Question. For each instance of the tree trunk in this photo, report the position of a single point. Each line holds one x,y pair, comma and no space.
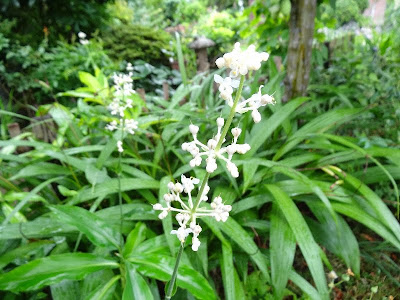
301,27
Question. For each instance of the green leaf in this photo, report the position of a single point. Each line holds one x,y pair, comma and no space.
135,237
106,152
96,229
382,211
282,249
21,204
304,238
337,237
40,168
236,232
136,287
65,290
263,130
53,269
104,292
227,270
161,267
304,285
94,175
320,124
22,252
111,187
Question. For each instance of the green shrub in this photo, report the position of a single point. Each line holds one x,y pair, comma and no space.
34,74
132,42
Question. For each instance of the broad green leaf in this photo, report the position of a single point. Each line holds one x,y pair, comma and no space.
304,285
94,282
94,175
18,216
136,287
104,292
53,269
38,228
105,153
236,232
320,124
21,204
135,237
337,237
359,214
228,270
304,238
40,168
282,249
22,252
96,229
384,213
263,130
160,267
111,187
65,290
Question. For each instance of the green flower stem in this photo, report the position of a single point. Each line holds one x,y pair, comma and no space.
221,139
231,114
119,187
168,295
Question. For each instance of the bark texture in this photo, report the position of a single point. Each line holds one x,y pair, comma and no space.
301,27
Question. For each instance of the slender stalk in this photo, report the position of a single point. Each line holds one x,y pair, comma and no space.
119,187
168,295
231,114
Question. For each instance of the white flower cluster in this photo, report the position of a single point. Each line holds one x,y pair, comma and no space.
123,85
82,38
241,62
198,149
188,214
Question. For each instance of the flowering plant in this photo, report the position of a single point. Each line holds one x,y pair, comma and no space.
240,63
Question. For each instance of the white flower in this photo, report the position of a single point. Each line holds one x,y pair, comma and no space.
240,62
226,86
131,125
198,150
119,146
182,233
84,42
220,211
252,104
81,35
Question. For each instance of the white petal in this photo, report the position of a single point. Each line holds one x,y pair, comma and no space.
218,79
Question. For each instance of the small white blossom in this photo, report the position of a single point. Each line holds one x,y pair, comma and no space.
252,104
198,149
187,213
241,62
81,35
226,86
119,146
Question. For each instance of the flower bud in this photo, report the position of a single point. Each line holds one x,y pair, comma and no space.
178,188
193,129
157,206
220,62
212,144
220,122
256,116
171,186
236,131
